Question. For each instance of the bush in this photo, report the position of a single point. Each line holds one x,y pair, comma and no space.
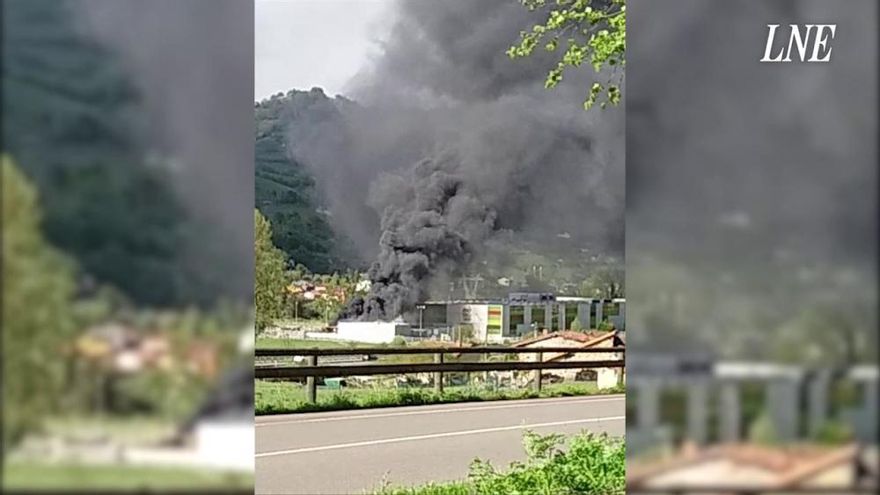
169,395
282,397
398,342
762,431
605,326
592,464
834,433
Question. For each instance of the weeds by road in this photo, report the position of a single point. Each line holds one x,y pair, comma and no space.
75,477
591,464
281,397
280,343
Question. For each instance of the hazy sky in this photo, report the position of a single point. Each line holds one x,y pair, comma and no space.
305,43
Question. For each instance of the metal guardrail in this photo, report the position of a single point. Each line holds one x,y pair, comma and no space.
312,370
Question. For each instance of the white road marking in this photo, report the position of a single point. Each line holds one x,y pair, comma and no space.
436,435
537,402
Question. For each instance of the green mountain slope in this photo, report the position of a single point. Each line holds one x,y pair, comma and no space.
70,117
285,190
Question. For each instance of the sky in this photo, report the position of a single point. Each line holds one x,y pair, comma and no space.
305,43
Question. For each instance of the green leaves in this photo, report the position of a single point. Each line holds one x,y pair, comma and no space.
270,278
592,464
593,35
36,317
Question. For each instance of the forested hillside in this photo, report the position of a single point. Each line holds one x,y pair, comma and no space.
75,122
331,132
68,121
285,190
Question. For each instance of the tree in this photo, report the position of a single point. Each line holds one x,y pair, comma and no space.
37,290
338,288
592,31
269,273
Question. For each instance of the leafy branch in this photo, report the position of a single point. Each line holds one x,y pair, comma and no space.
592,31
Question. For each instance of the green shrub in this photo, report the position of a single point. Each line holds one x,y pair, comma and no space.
834,433
284,397
605,326
592,464
763,431
169,395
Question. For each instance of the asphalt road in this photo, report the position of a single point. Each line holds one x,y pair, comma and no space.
353,452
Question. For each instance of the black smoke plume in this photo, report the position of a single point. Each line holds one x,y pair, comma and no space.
461,155
434,223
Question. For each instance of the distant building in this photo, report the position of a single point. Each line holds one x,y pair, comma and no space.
520,315
127,350
311,291
123,349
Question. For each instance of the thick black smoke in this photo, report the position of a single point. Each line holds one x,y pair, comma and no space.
192,63
434,222
752,186
453,146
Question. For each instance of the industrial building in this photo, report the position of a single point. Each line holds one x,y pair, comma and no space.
520,315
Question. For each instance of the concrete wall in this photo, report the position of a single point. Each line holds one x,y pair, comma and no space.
608,378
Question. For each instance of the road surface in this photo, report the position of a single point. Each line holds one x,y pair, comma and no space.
355,451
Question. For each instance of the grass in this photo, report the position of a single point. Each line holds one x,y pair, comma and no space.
282,397
134,430
274,343
586,464
35,476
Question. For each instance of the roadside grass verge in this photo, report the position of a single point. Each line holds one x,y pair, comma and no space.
286,397
20,475
585,464
278,343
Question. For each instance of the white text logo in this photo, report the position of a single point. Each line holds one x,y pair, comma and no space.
808,43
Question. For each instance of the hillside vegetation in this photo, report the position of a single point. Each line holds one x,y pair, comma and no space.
285,191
